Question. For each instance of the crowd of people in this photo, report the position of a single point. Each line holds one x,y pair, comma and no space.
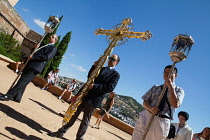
105,82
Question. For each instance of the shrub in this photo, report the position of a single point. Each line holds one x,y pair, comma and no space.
9,47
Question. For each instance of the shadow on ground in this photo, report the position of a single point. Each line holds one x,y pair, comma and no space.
116,135
21,135
45,107
22,118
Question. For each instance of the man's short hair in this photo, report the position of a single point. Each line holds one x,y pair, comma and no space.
184,114
170,66
118,58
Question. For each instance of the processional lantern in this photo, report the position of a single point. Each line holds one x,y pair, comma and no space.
181,47
51,24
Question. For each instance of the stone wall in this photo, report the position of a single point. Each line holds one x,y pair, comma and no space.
29,42
13,24
13,2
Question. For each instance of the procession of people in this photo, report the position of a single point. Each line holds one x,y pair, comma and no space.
109,76
160,101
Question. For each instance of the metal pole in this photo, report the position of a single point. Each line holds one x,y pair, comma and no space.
26,63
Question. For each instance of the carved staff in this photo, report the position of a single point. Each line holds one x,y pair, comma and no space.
49,27
180,49
118,35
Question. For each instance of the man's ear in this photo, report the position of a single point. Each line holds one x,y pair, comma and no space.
176,75
117,63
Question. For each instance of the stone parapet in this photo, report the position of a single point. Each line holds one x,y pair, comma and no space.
115,122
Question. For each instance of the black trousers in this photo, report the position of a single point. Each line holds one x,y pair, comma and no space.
17,91
88,111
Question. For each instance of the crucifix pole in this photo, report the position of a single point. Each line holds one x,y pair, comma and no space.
118,35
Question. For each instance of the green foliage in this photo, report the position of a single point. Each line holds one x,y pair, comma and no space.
61,49
45,41
9,47
47,67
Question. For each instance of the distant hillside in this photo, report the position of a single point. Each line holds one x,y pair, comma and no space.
125,108
132,102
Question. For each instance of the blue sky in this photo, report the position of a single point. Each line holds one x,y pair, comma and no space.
141,63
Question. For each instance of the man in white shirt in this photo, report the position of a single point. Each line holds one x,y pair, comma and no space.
160,125
51,79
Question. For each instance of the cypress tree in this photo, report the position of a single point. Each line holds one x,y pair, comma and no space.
61,49
47,67
46,41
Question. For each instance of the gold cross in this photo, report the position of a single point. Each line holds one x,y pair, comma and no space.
122,32
116,36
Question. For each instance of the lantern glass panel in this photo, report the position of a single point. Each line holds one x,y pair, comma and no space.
181,47
51,24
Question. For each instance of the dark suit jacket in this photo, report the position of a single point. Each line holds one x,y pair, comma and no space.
41,57
104,83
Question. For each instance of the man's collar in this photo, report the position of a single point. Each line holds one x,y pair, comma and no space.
111,68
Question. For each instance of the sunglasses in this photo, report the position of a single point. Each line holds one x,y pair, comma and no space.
111,58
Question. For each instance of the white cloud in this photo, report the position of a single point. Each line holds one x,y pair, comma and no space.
72,55
39,23
80,68
26,10
69,74
64,57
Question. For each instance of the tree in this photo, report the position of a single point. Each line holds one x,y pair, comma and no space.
9,46
46,41
47,67
56,60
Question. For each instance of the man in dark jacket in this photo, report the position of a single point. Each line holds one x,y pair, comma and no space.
36,64
104,83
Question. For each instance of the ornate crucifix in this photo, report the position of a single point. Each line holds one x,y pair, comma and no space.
117,36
